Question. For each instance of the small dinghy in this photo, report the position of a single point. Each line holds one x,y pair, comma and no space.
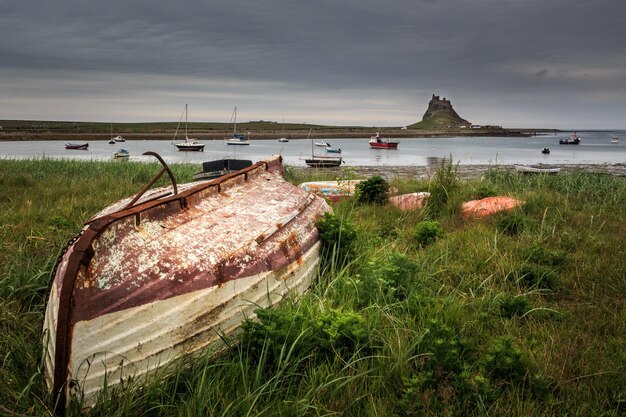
171,272
332,190
78,146
537,169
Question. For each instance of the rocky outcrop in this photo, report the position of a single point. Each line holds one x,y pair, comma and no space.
440,110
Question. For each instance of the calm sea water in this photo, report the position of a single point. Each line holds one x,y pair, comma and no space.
595,148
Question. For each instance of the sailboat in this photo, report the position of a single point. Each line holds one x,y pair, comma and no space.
317,161
283,138
112,140
237,138
116,139
188,144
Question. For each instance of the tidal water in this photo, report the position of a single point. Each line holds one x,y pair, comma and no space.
595,148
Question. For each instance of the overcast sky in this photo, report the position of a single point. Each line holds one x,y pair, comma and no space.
522,63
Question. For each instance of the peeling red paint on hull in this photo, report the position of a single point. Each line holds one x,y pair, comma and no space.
169,276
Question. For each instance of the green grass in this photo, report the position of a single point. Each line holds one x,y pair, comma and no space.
35,126
456,327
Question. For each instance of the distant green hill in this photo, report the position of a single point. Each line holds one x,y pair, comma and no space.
440,115
438,121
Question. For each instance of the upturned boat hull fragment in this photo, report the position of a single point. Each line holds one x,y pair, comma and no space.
171,275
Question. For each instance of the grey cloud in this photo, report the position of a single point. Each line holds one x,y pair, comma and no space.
400,50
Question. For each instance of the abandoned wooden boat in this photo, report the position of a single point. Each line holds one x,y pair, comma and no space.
537,169
164,274
331,190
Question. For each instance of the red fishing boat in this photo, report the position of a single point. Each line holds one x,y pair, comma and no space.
377,142
172,272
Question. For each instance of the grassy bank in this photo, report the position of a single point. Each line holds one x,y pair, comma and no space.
414,313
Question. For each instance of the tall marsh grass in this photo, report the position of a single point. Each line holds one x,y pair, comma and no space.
461,326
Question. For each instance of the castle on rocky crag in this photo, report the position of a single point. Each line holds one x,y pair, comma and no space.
438,107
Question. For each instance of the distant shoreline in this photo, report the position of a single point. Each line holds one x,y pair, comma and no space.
343,133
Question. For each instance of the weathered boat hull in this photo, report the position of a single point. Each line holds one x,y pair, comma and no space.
331,190
537,170
323,162
174,275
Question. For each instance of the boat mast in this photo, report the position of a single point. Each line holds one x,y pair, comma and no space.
235,122
186,137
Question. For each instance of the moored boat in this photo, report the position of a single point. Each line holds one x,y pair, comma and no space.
189,144
236,138
377,142
168,273
121,153
283,138
574,139
324,161
79,146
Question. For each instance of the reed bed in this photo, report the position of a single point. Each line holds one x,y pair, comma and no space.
517,314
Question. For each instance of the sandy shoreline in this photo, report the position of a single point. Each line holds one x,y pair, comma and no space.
465,171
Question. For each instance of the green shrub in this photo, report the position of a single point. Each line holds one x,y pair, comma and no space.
384,281
511,223
337,237
535,276
374,190
446,350
327,333
513,306
427,232
339,331
504,362
273,331
446,378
